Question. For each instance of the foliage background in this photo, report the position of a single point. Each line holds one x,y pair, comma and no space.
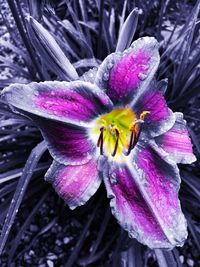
36,228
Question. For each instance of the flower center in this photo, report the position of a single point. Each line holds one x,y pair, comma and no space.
117,132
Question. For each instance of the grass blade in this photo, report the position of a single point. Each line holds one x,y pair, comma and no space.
128,30
51,51
31,163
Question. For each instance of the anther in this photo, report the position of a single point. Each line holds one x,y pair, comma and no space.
143,114
116,144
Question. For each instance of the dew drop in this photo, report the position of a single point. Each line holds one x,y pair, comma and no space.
133,56
118,54
110,65
145,67
91,74
113,178
142,76
36,93
105,76
75,107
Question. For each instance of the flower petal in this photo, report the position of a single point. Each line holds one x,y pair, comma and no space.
177,142
67,143
144,199
75,184
161,118
89,76
74,102
126,75
61,110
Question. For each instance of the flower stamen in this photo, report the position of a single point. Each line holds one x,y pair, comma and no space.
132,139
143,114
136,129
118,132
100,140
138,134
117,142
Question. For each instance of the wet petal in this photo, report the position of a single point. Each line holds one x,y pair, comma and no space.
67,143
161,118
144,199
177,142
90,75
74,102
126,75
75,184
160,182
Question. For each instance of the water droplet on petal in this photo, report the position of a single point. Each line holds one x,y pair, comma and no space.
105,76
110,65
75,106
145,67
133,56
36,93
142,76
113,178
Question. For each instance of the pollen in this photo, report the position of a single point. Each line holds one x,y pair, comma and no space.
116,133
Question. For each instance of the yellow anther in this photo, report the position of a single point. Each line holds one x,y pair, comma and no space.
143,114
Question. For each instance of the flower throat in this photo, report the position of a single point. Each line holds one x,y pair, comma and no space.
119,131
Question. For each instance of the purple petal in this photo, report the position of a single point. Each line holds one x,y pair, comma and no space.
161,183
130,208
125,75
74,102
177,142
144,199
161,118
75,184
59,109
67,143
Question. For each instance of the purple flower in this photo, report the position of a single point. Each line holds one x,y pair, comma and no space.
116,128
